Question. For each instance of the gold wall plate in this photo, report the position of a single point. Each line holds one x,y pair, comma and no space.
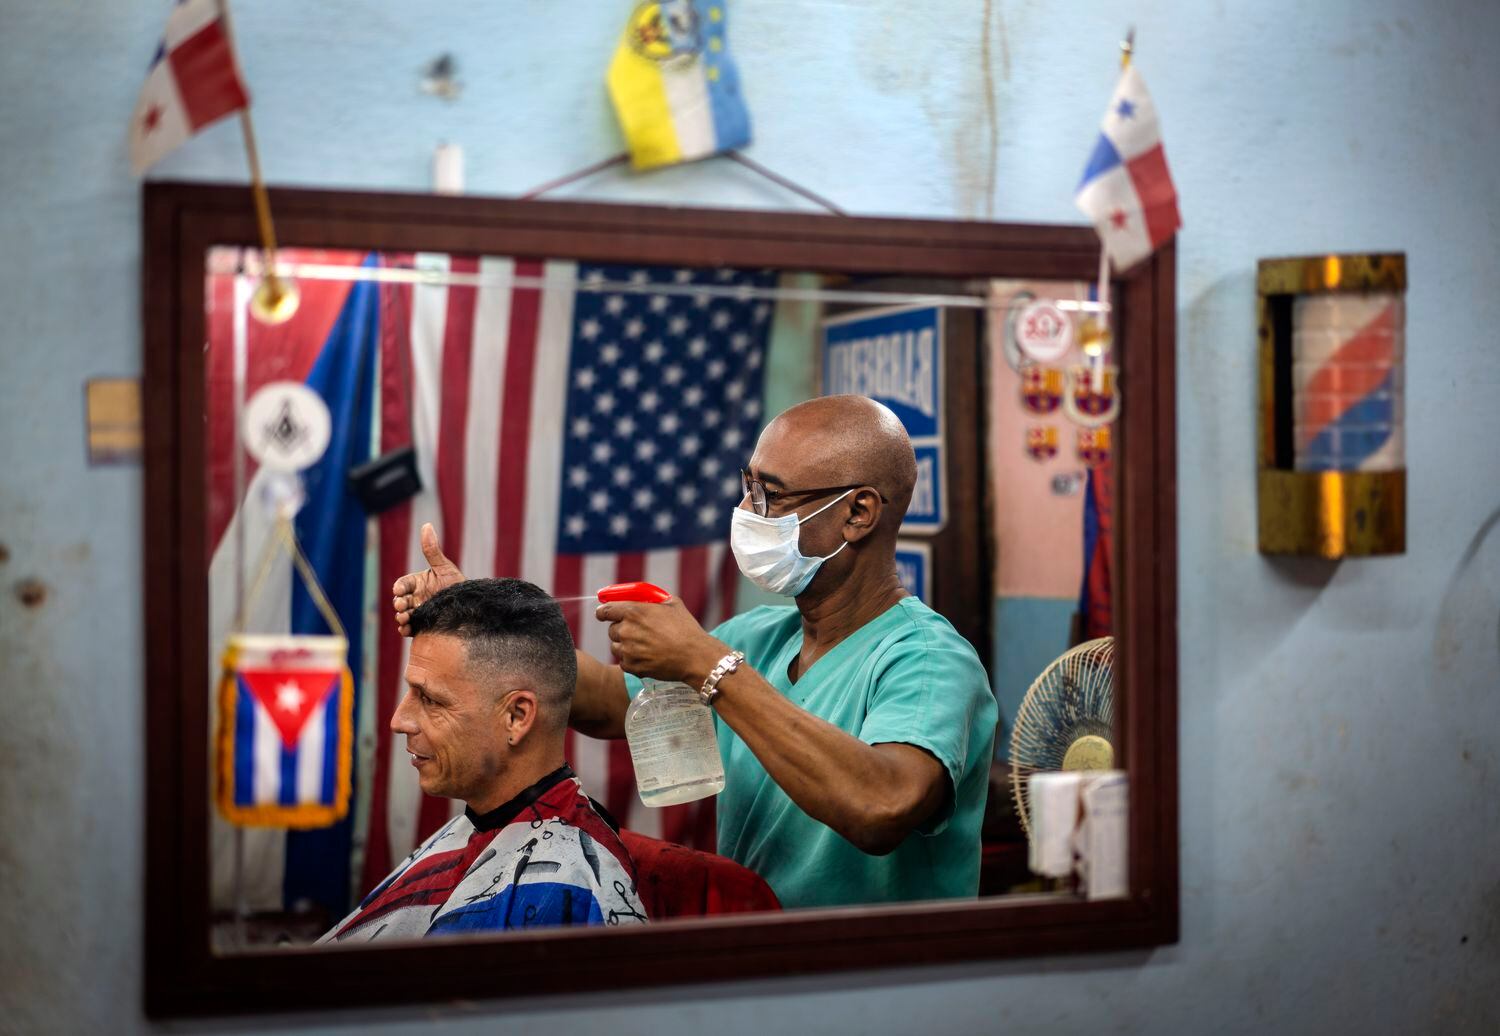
1317,275
1332,514
113,420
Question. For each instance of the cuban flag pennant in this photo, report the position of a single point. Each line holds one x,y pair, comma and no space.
1126,189
674,86
194,81
286,729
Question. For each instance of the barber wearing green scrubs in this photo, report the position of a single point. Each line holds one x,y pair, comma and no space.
857,732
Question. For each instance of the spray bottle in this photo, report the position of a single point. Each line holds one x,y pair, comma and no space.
673,744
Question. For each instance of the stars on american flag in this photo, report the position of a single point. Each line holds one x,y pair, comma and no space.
663,406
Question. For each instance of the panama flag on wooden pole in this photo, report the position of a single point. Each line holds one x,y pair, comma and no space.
194,81
1126,189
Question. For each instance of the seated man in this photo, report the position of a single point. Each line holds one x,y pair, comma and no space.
490,685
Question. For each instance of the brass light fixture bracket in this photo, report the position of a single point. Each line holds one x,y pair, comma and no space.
1329,514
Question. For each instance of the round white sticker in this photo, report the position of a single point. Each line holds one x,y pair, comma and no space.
286,426
1044,332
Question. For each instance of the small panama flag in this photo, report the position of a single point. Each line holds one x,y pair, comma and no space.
194,81
286,729
1126,189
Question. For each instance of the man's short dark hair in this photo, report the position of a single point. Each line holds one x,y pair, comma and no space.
510,628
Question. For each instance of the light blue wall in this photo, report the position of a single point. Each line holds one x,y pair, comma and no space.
1340,725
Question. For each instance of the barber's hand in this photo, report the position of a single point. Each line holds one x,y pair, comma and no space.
660,641
414,588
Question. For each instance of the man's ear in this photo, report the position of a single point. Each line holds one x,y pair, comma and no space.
520,715
865,511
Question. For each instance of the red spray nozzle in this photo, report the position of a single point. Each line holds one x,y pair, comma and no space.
645,593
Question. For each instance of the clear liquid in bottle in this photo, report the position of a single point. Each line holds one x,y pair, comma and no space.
673,745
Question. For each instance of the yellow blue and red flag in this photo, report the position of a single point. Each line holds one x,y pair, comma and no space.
674,86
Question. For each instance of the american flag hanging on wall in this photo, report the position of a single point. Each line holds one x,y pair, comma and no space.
575,436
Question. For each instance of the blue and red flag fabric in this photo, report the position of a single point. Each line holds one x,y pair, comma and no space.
1126,190
575,425
194,81
1096,597
271,765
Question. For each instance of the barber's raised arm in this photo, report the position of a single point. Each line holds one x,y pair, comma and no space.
414,588
599,699
872,795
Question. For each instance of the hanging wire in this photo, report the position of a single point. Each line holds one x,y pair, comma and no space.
576,175
781,181
735,156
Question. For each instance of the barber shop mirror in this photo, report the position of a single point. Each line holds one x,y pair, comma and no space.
384,707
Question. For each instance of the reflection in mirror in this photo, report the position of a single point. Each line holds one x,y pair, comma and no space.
575,426
1051,465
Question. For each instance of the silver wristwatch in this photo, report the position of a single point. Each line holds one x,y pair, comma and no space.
728,664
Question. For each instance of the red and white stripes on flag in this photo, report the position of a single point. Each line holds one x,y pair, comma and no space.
194,81
475,378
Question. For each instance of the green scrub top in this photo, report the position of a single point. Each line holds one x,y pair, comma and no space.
906,676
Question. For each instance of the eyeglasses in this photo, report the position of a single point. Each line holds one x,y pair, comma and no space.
762,498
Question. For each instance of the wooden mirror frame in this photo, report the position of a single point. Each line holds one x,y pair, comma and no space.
183,977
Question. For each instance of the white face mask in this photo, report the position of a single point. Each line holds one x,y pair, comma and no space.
769,553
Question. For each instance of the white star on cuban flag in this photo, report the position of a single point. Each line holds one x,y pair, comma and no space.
289,696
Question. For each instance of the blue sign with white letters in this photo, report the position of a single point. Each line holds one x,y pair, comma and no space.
891,355
926,511
914,567
895,356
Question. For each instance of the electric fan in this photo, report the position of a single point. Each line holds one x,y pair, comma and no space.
1065,721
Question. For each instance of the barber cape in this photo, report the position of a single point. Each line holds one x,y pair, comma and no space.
544,858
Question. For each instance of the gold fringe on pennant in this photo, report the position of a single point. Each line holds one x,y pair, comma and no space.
303,815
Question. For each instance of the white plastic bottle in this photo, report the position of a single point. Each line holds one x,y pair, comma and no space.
673,745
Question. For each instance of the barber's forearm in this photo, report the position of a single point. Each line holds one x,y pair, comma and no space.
832,776
599,699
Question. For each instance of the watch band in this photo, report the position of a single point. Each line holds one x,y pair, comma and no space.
728,664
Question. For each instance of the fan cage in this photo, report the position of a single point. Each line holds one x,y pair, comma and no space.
1073,697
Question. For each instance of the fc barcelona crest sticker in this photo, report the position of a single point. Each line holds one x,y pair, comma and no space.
1094,446
1041,443
1041,388
1093,396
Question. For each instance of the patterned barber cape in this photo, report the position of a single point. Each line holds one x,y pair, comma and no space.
544,858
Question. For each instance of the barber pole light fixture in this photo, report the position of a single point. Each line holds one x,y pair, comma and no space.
1332,376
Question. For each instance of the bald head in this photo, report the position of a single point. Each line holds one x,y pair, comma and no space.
841,440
